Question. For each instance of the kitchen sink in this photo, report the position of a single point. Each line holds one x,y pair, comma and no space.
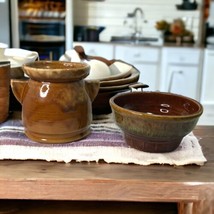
136,40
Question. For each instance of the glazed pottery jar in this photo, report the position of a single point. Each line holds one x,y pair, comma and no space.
56,100
4,89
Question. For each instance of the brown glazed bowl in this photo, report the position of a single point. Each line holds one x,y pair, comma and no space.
155,122
56,71
110,88
101,104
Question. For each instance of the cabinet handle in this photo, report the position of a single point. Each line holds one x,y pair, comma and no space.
92,52
137,55
172,78
182,59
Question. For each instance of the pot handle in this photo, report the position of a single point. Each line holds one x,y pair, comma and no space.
135,86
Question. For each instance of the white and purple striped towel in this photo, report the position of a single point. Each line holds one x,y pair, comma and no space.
104,143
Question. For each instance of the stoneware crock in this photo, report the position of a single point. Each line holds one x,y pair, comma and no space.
56,100
4,89
155,121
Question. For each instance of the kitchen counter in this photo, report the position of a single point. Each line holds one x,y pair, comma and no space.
192,187
138,44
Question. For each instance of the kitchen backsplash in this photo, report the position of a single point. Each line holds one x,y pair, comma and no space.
112,14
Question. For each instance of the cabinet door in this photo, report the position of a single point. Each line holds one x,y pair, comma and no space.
182,80
96,49
207,95
148,75
145,59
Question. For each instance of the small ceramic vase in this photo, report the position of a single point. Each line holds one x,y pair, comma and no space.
4,89
56,101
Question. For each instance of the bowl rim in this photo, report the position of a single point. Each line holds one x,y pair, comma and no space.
67,72
31,65
117,108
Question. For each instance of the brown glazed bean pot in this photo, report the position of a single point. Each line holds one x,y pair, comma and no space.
4,89
155,121
56,101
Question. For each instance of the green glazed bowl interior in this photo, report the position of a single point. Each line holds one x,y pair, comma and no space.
155,121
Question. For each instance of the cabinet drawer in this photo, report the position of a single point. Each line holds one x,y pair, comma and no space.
183,56
137,54
96,49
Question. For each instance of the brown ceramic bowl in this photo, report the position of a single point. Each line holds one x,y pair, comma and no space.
101,104
16,72
155,121
56,71
111,84
110,88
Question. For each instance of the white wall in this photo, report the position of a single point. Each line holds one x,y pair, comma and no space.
4,23
112,13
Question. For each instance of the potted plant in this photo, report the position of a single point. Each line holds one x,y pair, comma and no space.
175,32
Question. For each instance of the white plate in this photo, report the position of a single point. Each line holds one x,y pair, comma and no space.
133,79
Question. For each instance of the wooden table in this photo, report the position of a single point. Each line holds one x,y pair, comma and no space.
192,187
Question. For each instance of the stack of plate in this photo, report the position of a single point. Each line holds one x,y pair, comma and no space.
115,76
109,86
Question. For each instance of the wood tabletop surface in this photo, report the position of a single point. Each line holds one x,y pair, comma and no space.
112,182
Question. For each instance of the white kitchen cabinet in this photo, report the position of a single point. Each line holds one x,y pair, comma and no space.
182,79
145,59
181,71
207,89
97,49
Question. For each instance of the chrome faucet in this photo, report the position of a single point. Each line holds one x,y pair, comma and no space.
139,18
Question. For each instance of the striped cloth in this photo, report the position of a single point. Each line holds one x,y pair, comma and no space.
104,143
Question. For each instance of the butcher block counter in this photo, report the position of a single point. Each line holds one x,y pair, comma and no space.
51,187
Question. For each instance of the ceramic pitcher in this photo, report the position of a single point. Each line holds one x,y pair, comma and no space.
4,89
56,100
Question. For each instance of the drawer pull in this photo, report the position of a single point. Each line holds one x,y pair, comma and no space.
182,59
92,52
137,55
